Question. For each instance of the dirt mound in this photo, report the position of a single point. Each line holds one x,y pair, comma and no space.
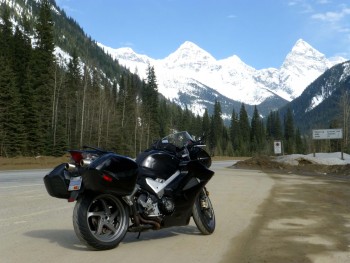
301,166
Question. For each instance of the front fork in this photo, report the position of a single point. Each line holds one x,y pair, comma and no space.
204,199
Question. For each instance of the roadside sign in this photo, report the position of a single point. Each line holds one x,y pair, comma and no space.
327,134
277,145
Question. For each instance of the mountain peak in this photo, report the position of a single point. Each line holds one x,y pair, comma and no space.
125,54
302,65
302,44
189,45
189,53
304,49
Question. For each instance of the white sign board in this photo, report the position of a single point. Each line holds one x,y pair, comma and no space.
327,134
277,145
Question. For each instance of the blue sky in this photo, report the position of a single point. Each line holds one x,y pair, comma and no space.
260,32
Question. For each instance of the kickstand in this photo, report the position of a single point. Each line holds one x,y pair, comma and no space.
138,237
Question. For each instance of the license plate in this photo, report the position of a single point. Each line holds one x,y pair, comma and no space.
75,183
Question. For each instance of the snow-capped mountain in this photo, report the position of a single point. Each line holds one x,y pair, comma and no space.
301,67
322,102
230,77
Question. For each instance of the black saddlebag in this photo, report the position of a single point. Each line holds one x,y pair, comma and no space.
111,173
56,183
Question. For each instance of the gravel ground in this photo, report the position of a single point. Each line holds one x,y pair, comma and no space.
301,166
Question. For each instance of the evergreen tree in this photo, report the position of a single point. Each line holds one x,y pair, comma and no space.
186,121
196,127
206,124
256,132
127,108
72,97
11,129
235,134
244,128
39,88
11,110
216,130
150,106
21,51
289,133
299,145
273,126
6,38
164,121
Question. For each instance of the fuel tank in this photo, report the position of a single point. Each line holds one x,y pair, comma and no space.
157,164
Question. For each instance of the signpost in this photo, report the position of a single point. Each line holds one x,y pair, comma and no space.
329,134
277,145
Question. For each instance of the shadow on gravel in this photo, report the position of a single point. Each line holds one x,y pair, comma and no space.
67,238
304,218
163,233
63,237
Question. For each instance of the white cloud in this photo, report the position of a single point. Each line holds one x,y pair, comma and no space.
332,17
329,22
305,6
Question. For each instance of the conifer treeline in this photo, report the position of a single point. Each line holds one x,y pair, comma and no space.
47,107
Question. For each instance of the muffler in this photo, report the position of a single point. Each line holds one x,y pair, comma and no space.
70,167
85,162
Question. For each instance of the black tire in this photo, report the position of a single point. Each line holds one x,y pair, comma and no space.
203,214
100,222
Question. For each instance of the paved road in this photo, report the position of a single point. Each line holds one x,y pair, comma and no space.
260,218
35,227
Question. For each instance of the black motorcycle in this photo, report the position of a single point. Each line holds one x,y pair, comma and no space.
163,188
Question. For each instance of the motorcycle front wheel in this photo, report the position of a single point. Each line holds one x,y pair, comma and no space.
203,213
100,222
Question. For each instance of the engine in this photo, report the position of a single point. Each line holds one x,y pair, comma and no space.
167,205
151,206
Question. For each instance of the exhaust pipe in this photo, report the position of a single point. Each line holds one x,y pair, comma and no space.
70,167
85,163
155,224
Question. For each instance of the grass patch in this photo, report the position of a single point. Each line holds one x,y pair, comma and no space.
39,162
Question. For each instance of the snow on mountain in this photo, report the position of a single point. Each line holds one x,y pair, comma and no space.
190,57
301,67
329,86
230,77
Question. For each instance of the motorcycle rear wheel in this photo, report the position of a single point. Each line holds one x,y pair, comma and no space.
100,222
203,214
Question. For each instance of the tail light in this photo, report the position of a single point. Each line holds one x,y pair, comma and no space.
107,178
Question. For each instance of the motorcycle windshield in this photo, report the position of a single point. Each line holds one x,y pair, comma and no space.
179,139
